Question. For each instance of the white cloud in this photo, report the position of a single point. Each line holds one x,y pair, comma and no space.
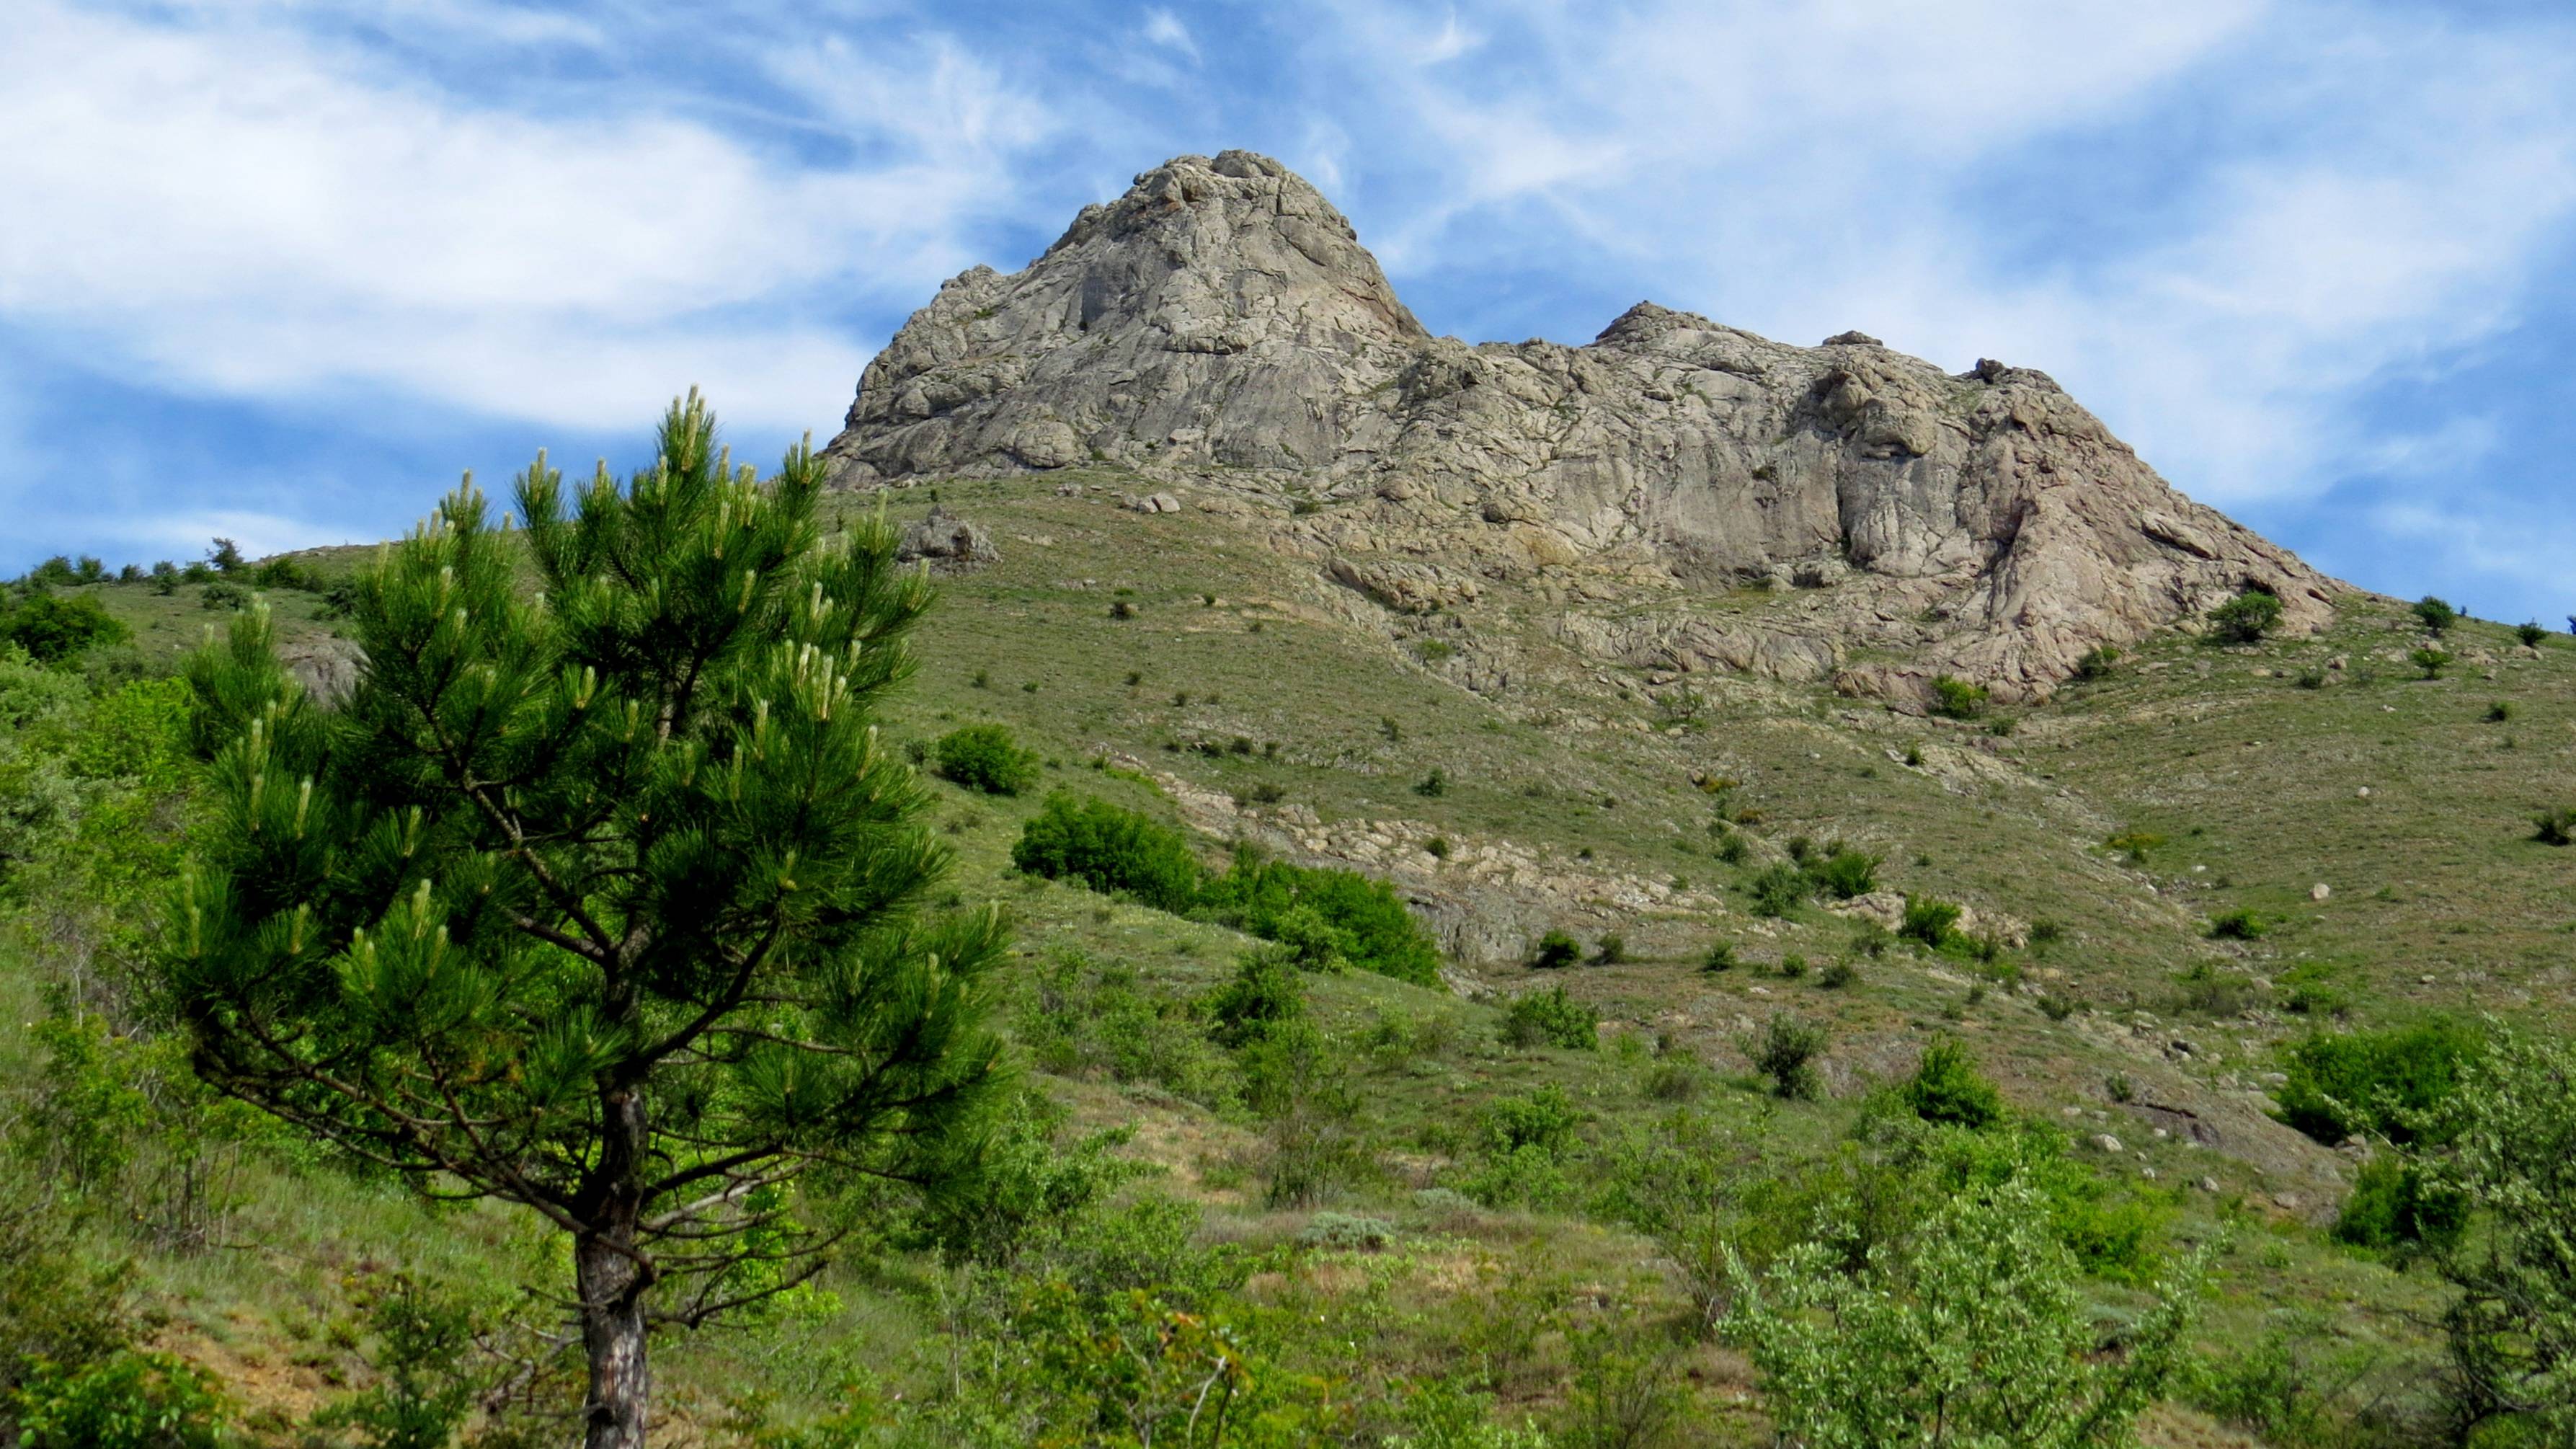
240,208
1165,29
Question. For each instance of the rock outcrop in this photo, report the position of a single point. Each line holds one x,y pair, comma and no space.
950,543
1220,323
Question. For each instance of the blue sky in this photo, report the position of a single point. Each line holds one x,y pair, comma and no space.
280,270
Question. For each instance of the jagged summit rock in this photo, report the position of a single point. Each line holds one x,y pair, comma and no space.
1220,324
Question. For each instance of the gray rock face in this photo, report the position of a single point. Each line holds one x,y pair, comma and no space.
1220,323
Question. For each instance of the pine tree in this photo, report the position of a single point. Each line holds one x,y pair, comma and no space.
600,899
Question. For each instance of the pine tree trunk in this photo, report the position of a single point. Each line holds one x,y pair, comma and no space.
612,1331
612,1282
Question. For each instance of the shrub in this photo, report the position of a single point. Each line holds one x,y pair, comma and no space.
224,594
1552,1017
1346,1232
1778,889
1264,994
1793,966
1932,921
2137,845
2237,925
1720,957
1971,1329
1376,932
2530,633
1946,1087
1954,698
2395,1205
1433,785
53,628
2097,662
2384,1082
1785,1051
1837,975
985,757
1121,609
1555,949
1612,950
1437,847
2246,618
2435,614
1844,874
129,1400
2499,712
1733,850
2431,661
1109,849
2555,826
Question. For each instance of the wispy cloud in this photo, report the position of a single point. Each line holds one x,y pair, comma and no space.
241,208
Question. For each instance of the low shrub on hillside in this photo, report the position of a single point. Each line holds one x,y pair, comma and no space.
2097,662
1265,993
2237,925
2397,1205
2430,661
53,628
2555,826
1954,698
1777,889
1947,1087
985,757
2530,633
1112,850
1785,1050
1550,1017
1375,931
1554,950
1844,873
2246,618
2435,614
1931,921
2384,1083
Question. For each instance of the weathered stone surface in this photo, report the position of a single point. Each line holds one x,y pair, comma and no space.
948,541
1221,322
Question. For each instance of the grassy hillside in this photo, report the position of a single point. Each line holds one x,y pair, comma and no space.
2139,855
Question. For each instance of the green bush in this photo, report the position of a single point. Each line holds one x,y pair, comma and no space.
1947,1087
1264,994
1612,950
985,757
2237,925
1837,975
1346,1232
2431,661
2395,1205
128,1400
2097,662
2555,826
2436,615
2530,633
53,628
1954,698
1551,1017
1932,921
1777,889
1844,874
1555,950
2384,1082
1112,850
1785,1051
1433,785
1720,957
1375,931
2246,618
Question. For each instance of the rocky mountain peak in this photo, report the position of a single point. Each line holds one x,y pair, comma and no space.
1220,324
